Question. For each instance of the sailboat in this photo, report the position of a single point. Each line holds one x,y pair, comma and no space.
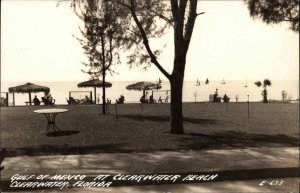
223,81
159,81
207,81
198,82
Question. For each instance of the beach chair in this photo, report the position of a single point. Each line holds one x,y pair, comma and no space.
4,102
167,99
47,101
211,98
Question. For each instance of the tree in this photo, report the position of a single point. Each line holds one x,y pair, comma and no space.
181,15
141,20
102,37
264,93
276,11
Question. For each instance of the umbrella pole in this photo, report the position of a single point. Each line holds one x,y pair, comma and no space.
14,99
95,94
30,98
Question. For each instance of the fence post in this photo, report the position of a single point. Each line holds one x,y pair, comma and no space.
248,107
14,102
142,107
107,108
116,108
227,106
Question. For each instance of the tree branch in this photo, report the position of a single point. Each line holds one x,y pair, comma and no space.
200,13
190,23
163,17
146,42
175,9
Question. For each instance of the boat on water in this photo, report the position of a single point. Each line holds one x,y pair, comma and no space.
198,82
223,81
207,81
159,81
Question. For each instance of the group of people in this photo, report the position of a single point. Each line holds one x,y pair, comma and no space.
47,99
120,100
144,99
73,101
218,99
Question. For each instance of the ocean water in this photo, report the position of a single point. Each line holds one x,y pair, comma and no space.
191,93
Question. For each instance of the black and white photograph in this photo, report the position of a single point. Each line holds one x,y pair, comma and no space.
154,96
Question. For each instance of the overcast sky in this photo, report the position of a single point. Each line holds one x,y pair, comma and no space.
37,44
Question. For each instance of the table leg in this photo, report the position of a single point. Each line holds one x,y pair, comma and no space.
51,122
54,123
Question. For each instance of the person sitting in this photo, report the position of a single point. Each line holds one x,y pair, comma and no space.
121,100
143,99
36,101
151,100
216,97
48,99
86,100
3,102
226,98
72,101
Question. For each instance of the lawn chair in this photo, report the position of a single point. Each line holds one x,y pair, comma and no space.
167,99
73,101
47,101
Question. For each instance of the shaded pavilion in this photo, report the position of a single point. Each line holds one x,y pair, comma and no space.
94,83
28,88
143,86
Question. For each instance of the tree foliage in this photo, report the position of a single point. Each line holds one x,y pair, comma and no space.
144,20
130,40
276,11
103,36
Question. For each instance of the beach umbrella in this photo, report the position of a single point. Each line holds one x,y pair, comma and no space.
143,86
94,83
29,88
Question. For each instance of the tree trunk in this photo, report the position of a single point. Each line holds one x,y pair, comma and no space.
176,82
265,98
104,96
176,106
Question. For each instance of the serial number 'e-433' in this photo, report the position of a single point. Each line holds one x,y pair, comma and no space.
272,183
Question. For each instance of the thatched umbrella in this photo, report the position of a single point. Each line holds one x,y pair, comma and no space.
143,86
94,83
29,88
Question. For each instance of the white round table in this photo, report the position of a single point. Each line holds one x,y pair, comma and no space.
51,114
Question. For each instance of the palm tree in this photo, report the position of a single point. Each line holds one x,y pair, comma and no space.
264,93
